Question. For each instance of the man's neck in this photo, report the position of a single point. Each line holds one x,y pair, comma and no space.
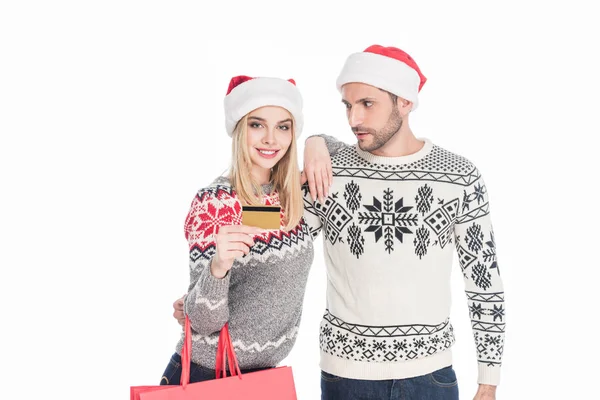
403,143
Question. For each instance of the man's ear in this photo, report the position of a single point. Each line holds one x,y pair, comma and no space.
404,106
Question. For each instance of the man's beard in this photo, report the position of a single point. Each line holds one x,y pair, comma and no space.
382,136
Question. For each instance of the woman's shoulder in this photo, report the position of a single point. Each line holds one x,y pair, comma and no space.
218,194
214,204
218,189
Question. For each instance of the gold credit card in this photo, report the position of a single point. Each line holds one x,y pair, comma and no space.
265,217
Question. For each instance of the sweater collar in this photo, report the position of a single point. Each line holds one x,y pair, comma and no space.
373,159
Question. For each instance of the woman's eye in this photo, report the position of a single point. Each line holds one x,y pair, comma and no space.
284,127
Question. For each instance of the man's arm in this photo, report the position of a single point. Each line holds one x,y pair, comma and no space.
178,313
485,392
476,246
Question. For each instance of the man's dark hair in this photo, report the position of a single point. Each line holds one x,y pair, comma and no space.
392,96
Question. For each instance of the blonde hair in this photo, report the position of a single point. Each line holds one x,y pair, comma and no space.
285,176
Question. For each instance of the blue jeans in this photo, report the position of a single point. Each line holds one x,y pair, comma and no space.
438,385
198,373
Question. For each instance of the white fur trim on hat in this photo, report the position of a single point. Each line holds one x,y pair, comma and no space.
382,72
261,92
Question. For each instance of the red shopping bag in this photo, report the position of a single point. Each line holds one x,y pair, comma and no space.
270,384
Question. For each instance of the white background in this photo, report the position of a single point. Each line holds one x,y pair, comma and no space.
111,118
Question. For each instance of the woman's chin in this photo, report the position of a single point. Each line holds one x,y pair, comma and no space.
265,164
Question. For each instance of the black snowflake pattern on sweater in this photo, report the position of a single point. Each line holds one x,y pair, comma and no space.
478,310
481,276
474,238
487,320
477,195
388,219
489,347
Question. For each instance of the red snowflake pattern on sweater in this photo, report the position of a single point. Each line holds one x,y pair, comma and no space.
208,212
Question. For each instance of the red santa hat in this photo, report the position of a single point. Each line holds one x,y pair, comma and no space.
246,94
387,68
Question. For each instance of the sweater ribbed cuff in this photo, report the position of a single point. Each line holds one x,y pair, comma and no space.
488,375
377,371
214,287
211,288
333,145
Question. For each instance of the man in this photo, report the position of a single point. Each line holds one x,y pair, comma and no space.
396,207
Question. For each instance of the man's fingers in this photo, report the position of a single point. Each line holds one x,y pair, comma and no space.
178,304
179,316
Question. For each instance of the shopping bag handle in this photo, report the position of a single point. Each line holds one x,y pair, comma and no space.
233,358
225,353
186,353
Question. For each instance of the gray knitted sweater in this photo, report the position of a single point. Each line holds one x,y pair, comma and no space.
261,297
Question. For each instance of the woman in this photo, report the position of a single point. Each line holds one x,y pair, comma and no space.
252,278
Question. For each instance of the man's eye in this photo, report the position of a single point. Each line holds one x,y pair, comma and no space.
368,103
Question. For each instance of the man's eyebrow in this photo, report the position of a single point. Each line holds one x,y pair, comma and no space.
360,100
